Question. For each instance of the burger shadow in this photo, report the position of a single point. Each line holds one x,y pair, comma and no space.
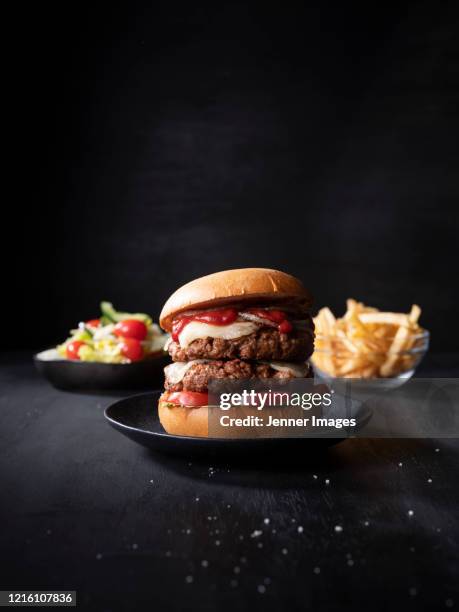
358,458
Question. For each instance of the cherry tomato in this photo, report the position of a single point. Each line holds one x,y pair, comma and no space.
73,349
93,323
131,328
188,398
131,349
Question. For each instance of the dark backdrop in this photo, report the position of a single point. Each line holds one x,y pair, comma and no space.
161,143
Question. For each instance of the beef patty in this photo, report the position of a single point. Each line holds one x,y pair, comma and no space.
198,375
266,344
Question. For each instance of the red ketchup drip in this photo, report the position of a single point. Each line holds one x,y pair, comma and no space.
276,316
212,317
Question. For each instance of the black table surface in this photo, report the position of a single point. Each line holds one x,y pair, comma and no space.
83,508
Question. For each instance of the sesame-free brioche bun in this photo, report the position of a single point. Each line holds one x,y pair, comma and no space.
231,286
181,421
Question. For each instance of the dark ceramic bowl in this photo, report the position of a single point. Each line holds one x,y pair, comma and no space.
90,376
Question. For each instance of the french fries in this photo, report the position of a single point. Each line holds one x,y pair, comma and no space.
367,343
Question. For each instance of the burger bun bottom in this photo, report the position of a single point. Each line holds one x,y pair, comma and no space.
181,421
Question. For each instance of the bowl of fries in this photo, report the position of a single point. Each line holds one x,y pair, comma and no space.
367,343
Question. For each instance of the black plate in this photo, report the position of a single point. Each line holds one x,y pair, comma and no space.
89,376
137,418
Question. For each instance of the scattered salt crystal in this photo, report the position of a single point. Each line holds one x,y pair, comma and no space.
300,529
400,464
188,531
152,481
437,450
189,579
338,528
350,562
366,523
197,499
228,506
410,513
256,534
315,476
284,551
316,570
204,563
429,480
217,542
261,588
266,521
327,481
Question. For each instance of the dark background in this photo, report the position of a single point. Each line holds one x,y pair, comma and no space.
161,142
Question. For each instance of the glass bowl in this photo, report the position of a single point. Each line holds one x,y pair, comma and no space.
337,357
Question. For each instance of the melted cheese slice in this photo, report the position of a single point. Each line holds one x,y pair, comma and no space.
298,370
177,370
196,329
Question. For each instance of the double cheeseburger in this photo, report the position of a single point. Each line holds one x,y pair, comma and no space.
237,324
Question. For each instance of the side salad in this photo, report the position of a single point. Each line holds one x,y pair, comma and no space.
115,337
